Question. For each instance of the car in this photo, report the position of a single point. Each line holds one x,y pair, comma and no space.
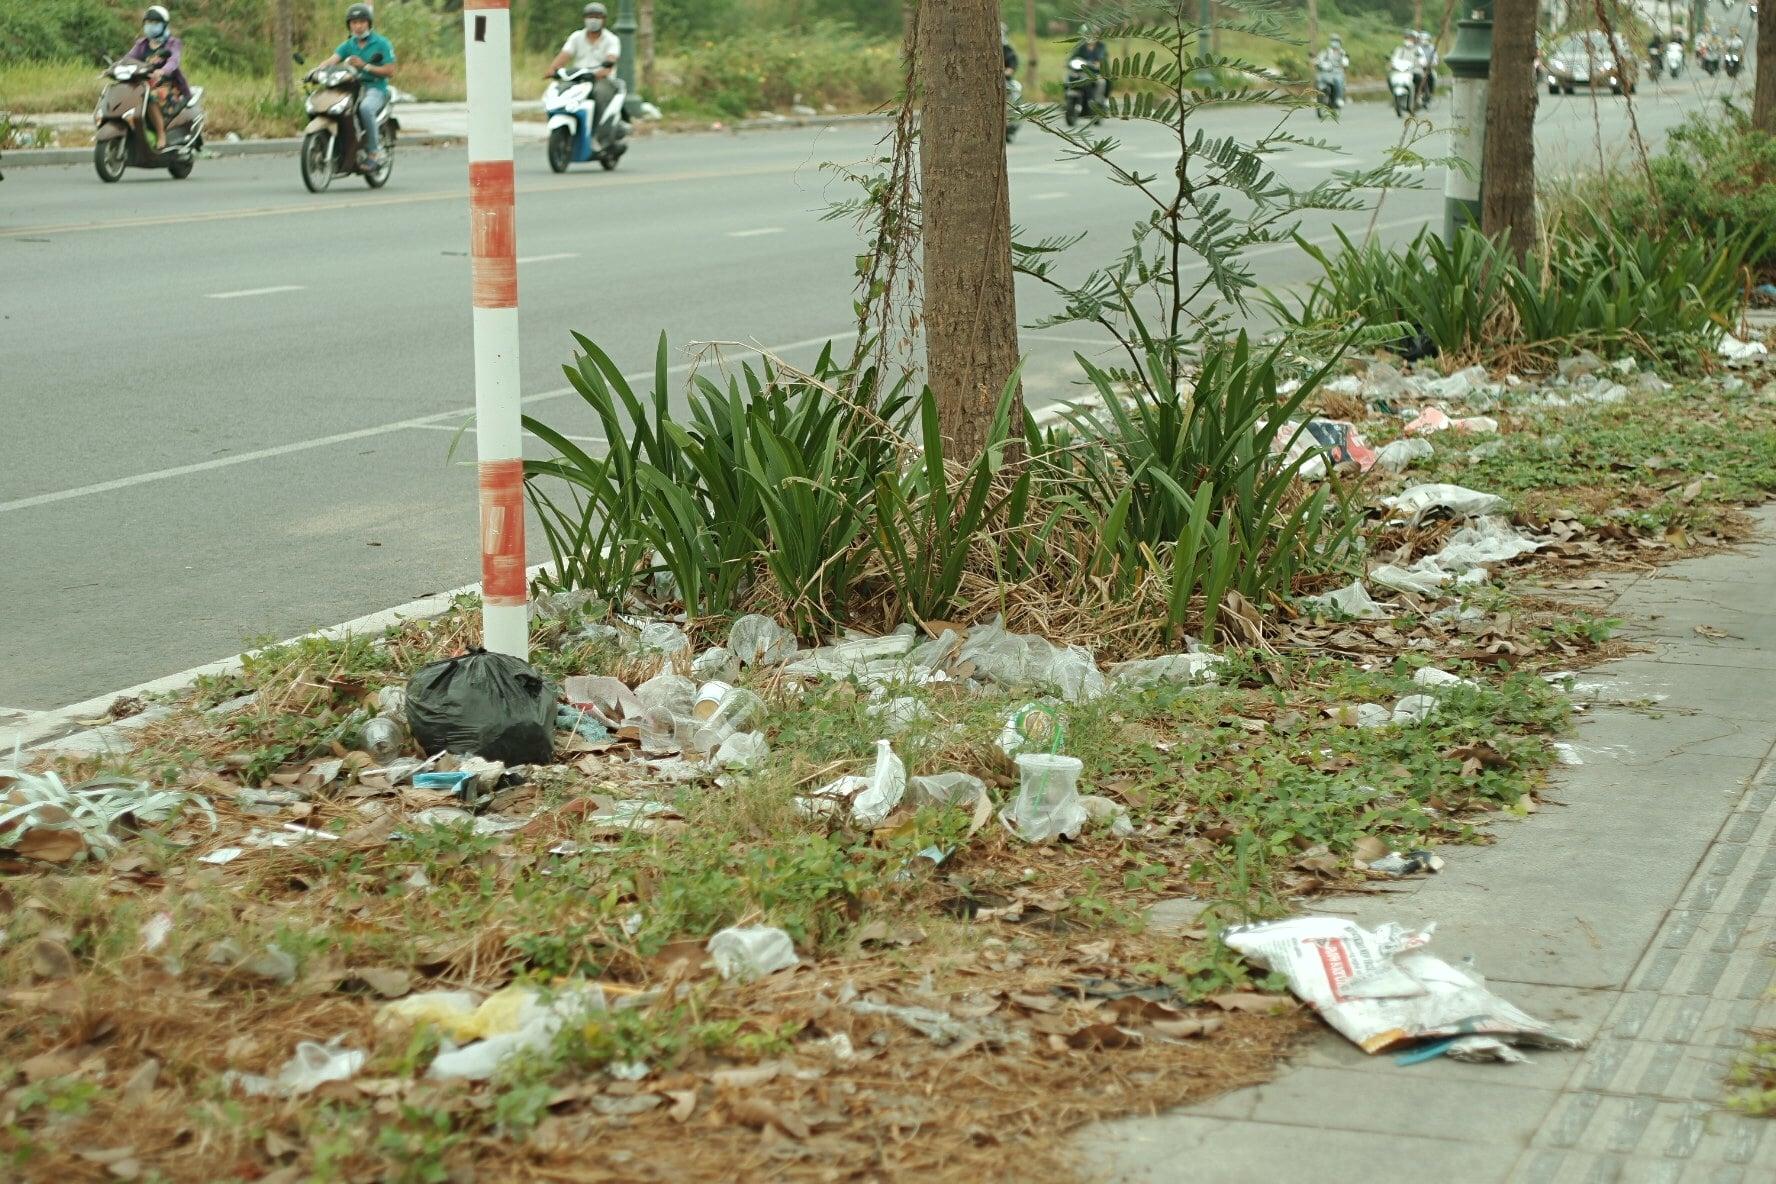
1592,60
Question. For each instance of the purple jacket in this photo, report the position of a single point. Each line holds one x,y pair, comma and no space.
166,59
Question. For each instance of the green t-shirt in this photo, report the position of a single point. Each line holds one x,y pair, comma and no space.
375,44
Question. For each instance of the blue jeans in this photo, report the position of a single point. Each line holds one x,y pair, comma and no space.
370,105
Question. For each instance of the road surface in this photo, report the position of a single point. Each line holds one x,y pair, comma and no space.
230,404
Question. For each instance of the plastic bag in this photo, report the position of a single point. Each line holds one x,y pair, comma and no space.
1396,456
1353,600
1019,659
1418,580
661,637
486,704
757,640
1487,541
1420,501
1181,668
313,1066
747,952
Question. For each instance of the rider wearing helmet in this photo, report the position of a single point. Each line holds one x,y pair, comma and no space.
1330,64
1091,47
593,48
164,53
373,57
1006,51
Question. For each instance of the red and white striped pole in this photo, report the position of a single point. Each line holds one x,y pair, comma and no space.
493,255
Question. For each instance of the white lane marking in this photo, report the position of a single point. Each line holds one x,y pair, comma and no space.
1047,196
255,292
1048,171
755,233
1329,162
457,413
546,258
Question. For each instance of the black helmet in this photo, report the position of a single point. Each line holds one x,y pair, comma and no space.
593,10
360,12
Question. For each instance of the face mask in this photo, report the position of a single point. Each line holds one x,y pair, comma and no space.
155,30
594,25
362,38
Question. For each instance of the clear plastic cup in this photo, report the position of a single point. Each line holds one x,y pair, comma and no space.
738,710
659,731
1047,803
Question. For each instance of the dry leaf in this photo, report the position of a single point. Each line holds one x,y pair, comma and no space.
684,1102
45,1065
1184,1029
51,960
50,844
1369,849
388,982
1031,1002
1250,1001
745,1076
141,1082
756,1112
1103,1036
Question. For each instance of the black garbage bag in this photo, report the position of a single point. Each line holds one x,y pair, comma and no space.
486,705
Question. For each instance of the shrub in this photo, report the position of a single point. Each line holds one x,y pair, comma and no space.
767,71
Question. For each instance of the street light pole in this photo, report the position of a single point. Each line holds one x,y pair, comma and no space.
625,31
1470,61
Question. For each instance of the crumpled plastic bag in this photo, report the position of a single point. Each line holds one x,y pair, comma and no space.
1380,990
872,799
312,1066
484,704
1414,709
1182,668
747,952
757,640
1353,600
1735,350
1417,580
1397,455
661,637
855,656
1458,385
1435,419
608,699
1023,660
1420,501
1489,540
516,1020
742,750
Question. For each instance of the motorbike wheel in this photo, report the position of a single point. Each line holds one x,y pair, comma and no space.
110,158
180,169
1400,103
561,150
317,161
380,177
1072,112
609,161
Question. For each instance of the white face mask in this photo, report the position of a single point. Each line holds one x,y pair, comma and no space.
594,24
154,30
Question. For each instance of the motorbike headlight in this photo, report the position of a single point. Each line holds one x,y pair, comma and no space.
1557,65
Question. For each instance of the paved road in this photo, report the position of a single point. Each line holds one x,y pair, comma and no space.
229,403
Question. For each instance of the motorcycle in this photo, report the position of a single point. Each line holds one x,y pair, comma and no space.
1655,62
332,143
1674,59
1710,62
573,135
1084,92
1734,62
1014,97
1326,91
122,137
1400,84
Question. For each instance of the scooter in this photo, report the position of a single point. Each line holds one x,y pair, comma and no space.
1326,92
1674,59
1710,61
1400,84
122,138
1014,97
332,143
1655,62
1084,93
573,135
1734,62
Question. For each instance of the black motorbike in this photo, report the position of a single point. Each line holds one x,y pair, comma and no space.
1085,92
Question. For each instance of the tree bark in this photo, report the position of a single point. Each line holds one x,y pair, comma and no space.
1763,105
644,46
1507,166
970,310
281,47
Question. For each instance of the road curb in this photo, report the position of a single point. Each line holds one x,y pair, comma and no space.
70,729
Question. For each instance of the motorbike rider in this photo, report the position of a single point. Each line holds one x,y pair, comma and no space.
164,53
1427,65
1096,54
1006,51
1735,45
1330,64
373,56
594,48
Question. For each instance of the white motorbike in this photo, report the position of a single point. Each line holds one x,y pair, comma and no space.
577,132
1401,84
1674,59
1014,97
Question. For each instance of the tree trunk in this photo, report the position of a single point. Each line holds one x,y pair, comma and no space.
1507,166
970,312
644,47
281,47
1763,106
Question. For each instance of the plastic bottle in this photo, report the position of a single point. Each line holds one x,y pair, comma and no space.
383,738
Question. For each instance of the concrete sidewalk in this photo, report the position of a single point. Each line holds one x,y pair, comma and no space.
1637,914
